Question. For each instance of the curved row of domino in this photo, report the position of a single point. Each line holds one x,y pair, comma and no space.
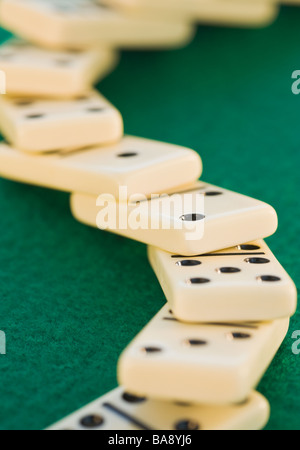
197,362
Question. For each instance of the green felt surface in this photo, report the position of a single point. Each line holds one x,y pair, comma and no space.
73,297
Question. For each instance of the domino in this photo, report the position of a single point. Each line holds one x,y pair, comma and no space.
290,2
239,13
119,410
35,125
216,363
239,284
140,164
84,23
221,220
32,71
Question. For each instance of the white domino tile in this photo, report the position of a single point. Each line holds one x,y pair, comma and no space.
201,219
42,125
84,23
236,13
119,410
243,283
140,165
34,71
213,363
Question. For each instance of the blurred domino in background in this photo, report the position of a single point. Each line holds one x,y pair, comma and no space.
77,24
45,125
33,71
239,13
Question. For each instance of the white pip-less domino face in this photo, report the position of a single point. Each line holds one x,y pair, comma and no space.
218,12
49,125
201,363
243,283
224,219
142,165
119,410
34,71
84,23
